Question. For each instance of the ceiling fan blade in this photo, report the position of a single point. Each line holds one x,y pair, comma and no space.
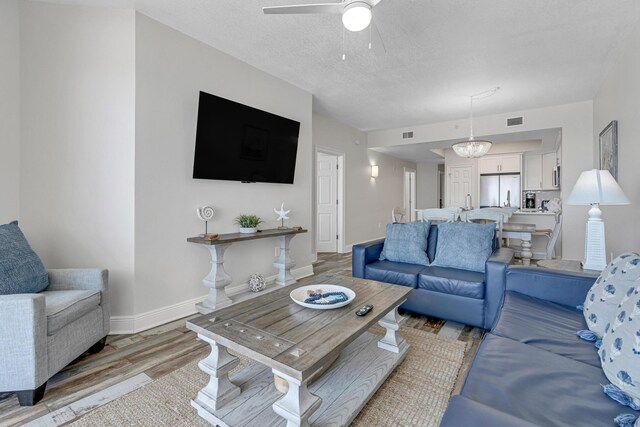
305,8
375,2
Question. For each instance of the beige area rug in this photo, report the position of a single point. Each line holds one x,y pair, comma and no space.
415,394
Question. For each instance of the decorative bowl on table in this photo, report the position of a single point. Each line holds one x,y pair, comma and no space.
322,296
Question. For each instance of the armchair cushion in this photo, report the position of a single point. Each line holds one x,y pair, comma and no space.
64,307
464,245
21,271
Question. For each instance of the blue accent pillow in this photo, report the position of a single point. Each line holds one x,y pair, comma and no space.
21,271
464,245
406,243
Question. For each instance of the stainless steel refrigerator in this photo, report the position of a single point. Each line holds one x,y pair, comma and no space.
500,190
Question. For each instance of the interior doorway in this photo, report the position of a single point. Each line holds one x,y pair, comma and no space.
329,201
410,194
458,185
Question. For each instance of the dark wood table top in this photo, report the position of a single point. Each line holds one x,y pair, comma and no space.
273,330
239,237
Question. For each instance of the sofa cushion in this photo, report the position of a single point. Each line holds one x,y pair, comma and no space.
545,325
406,243
465,412
452,281
538,386
21,271
464,245
604,297
64,307
399,273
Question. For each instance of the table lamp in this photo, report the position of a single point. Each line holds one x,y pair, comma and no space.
596,187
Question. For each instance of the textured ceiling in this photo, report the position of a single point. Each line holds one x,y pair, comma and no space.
540,52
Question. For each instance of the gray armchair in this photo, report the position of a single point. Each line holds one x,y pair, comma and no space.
42,333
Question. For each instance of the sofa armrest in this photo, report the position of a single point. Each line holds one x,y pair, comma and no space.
557,286
495,278
84,279
363,254
64,279
23,342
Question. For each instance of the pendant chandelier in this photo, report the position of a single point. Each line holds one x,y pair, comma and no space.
472,147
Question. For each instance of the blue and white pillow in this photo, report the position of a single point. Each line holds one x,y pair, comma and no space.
620,352
406,243
610,290
464,245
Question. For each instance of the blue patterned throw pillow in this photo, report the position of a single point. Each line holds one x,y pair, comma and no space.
620,352
464,245
611,289
406,243
21,271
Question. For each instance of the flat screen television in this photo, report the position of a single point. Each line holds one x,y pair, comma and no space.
236,142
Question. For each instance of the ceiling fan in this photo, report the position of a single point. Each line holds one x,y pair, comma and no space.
356,14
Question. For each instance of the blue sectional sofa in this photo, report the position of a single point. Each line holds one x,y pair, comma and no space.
464,296
532,369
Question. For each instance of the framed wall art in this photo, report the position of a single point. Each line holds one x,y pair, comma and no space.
609,148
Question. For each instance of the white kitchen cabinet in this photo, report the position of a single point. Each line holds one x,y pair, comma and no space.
538,171
548,163
509,163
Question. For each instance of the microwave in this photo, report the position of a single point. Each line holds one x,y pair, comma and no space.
555,180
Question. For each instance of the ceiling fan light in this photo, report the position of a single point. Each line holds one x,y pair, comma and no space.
472,148
356,16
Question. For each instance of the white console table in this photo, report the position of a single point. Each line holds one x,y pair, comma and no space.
218,279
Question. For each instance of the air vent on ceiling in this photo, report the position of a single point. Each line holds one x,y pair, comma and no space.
407,135
515,121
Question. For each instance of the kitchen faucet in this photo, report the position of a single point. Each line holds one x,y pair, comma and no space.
507,204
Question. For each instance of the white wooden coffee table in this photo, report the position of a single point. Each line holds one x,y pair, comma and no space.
293,342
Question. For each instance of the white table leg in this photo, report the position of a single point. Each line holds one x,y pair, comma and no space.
220,389
392,341
285,263
216,280
526,253
298,404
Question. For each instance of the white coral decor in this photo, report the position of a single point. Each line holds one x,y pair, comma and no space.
257,282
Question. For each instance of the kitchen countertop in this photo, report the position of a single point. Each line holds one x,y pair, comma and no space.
533,213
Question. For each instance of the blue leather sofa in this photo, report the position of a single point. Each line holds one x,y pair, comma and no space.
469,297
532,369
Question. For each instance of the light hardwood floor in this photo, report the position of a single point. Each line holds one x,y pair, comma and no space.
130,361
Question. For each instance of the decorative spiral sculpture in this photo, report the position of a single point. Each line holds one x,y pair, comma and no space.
206,213
257,282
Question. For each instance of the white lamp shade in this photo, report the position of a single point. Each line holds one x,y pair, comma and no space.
356,16
597,187
374,171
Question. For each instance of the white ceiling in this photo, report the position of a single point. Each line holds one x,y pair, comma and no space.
538,141
540,52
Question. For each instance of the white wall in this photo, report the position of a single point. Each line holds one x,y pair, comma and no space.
171,69
427,180
77,143
576,122
9,110
619,99
369,201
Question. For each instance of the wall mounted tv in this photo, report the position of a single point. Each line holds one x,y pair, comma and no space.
236,142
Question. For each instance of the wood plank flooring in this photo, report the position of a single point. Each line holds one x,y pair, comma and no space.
130,361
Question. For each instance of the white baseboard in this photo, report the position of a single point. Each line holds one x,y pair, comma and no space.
141,322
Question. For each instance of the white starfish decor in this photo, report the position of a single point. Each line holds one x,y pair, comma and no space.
282,214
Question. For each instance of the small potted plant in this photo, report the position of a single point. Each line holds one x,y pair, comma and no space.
248,223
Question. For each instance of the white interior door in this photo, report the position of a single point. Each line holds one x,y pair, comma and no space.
327,203
410,194
458,185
